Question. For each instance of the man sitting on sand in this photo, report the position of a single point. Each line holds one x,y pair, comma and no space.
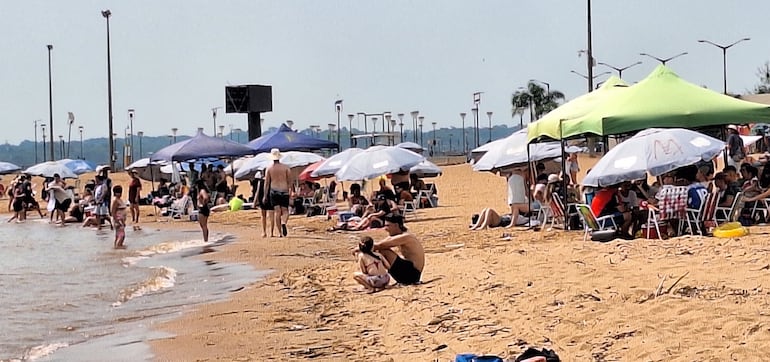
407,267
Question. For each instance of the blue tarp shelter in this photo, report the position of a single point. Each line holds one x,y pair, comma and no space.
201,146
287,140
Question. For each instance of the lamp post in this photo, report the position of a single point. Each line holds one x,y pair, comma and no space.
619,70
401,124
173,134
724,58
489,115
61,147
464,147
350,129
433,144
414,124
35,122
586,77
476,103
374,128
42,127
214,117
475,112
393,129
338,107
140,134
387,116
50,100
131,127
106,14
666,60
331,131
420,120
80,129
170,139
222,131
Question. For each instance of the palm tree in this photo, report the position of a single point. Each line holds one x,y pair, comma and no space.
539,100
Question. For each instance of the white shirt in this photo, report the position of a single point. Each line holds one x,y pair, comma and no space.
517,190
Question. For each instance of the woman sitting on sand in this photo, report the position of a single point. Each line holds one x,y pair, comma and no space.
374,268
356,201
489,218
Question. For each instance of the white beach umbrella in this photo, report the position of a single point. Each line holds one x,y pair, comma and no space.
48,169
7,167
512,150
334,163
150,171
262,161
654,151
377,161
425,169
411,146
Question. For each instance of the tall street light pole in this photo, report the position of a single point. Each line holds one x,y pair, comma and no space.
131,113
80,129
61,147
489,115
475,112
42,127
465,145
350,129
214,117
338,107
173,134
401,124
664,60
414,124
36,122
50,102
140,134
619,70
420,120
106,14
724,58
476,102
433,144
586,77
589,54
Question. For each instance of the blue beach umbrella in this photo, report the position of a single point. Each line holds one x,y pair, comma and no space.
79,167
7,167
653,150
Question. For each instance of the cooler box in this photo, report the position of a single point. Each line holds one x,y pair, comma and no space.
654,233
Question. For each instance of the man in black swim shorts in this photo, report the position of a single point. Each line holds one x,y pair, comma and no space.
407,267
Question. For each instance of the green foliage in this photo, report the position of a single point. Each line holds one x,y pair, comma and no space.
536,98
763,73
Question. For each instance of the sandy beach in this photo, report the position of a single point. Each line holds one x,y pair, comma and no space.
684,299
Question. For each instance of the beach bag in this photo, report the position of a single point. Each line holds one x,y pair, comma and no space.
603,236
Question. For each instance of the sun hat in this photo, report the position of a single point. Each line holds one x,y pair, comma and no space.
733,127
275,154
101,168
258,174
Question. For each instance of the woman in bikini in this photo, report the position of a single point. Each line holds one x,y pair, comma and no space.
489,218
203,207
374,268
118,210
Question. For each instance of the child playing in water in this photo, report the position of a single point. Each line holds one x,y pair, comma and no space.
374,268
118,212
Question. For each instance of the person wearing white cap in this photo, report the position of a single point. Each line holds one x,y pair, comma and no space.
277,181
735,147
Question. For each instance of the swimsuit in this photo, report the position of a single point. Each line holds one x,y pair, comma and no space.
204,210
279,198
378,281
404,272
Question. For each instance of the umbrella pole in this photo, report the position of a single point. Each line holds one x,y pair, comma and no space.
529,184
563,163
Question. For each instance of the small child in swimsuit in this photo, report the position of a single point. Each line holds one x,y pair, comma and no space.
374,267
119,216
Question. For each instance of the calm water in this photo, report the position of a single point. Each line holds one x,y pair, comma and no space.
66,294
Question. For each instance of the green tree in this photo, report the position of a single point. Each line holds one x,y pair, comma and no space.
537,99
763,73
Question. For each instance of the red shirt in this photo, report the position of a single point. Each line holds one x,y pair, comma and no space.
603,199
133,190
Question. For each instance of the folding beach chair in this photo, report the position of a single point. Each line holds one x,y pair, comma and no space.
179,207
704,215
591,223
727,214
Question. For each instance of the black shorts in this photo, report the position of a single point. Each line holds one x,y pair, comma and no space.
204,210
404,272
279,198
64,205
18,205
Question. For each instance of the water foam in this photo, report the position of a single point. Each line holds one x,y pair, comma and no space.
37,352
162,277
164,248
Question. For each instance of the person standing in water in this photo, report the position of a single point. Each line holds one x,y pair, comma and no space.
277,181
203,207
134,193
118,210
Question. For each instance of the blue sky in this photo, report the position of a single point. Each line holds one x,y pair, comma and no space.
172,59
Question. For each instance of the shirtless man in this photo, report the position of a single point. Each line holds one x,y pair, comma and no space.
406,269
277,181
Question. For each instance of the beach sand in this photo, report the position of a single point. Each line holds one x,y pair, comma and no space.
483,293
684,299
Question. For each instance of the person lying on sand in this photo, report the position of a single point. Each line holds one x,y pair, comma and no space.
407,267
374,267
489,218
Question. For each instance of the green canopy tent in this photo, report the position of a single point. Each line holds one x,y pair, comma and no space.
547,127
660,100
